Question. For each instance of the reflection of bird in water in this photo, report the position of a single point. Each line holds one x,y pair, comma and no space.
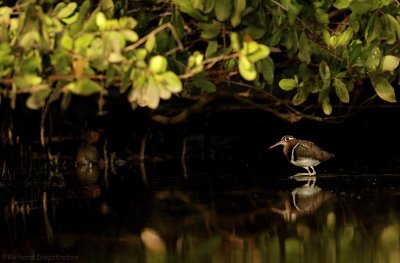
88,160
87,152
303,153
302,201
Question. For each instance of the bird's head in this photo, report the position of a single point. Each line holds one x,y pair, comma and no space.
284,141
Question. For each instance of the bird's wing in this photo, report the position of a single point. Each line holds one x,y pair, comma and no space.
311,150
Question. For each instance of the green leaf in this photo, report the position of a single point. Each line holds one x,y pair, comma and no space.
341,90
304,49
107,6
374,28
238,7
158,64
27,80
66,41
212,48
288,84
322,16
30,39
301,96
247,69
341,4
67,10
209,6
235,43
209,30
389,63
32,64
394,24
84,87
324,71
267,69
345,37
186,7
384,89
363,6
205,85
82,42
223,9
178,23
275,38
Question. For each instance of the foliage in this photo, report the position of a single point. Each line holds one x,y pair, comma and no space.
294,58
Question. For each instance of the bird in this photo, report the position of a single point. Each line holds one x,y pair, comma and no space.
303,153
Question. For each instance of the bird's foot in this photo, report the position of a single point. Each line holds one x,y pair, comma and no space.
301,177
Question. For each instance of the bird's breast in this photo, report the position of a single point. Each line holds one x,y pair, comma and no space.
305,162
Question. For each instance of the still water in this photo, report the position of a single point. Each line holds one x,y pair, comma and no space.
172,210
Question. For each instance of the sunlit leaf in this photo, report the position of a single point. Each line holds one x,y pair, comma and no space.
101,20
150,43
130,35
27,80
389,63
261,52
327,107
67,10
66,41
235,43
384,89
158,64
173,83
288,84
342,4
82,42
345,37
84,87
246,68
30,39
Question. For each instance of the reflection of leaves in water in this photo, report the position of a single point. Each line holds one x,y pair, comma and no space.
390,241
201,249
293,249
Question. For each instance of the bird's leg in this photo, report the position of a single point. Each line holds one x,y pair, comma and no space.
313,171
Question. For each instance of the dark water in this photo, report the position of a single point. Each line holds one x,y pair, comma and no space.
201,195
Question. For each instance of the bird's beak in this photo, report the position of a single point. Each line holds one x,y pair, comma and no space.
276,144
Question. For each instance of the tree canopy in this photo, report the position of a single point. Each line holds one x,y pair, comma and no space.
321,60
